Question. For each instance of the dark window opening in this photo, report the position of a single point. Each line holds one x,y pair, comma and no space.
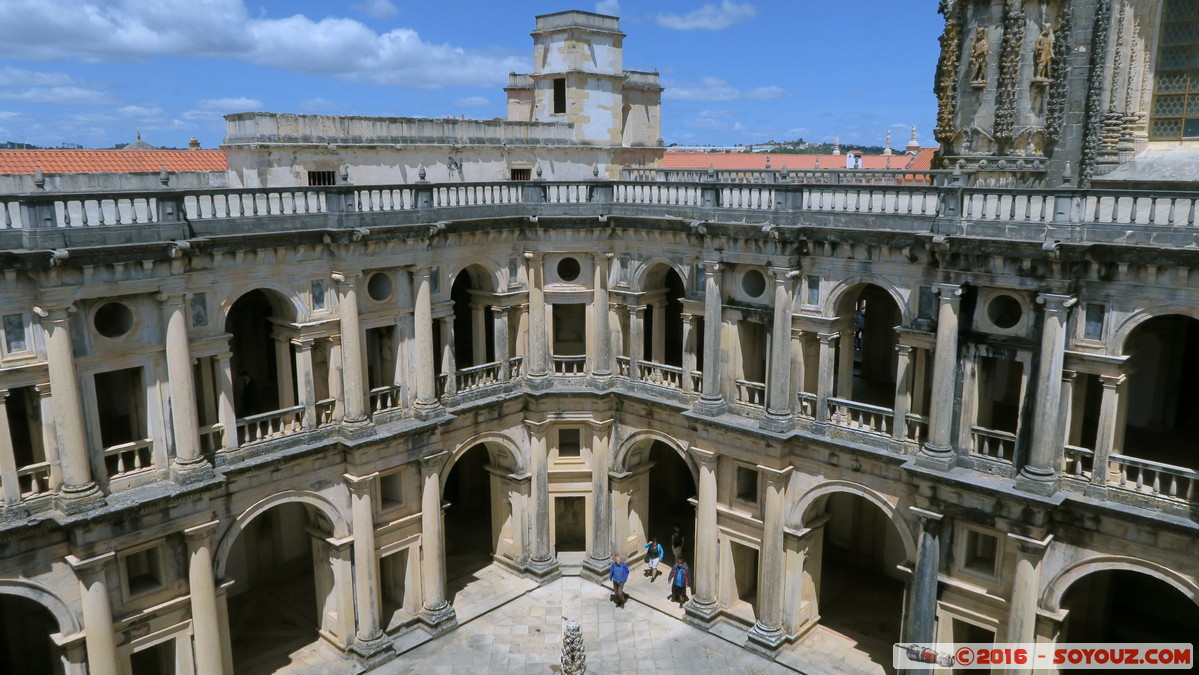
559,95
320,178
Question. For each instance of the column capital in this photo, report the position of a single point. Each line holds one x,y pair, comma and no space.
827,338
705,458
637,309
604,256
91,566
42,389
785,274
432,463
304,343
929,520
710,267
1112,381
3,395
55,313
948,291
347,277
170,297
360,485
499,310
199,535
534,256
903,350
1055,302
776,477
686,317
1029,546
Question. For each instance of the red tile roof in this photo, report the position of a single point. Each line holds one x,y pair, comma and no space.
749,161
109,161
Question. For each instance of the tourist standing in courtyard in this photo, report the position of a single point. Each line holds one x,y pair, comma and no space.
680,579
653,554
619,573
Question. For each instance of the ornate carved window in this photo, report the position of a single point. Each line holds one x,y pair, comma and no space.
1176,86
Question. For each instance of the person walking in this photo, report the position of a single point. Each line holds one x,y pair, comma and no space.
653,554
619,573
680,579
676,543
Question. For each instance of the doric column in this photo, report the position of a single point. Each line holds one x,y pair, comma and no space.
711,402
8,461
305,382
287,397
201,580
922,605
1111,423
542,563
335,380
636,340
45,406
538,360
688,350
658,333
78,491
1022,609
500,318
426,382
903,391
351,347
449,364
185,423
366,558
824,382
601,529
767,633
945,359
226,412
405,337
703,606
435,611
601,361
1039,473
778,404
797,368
478,317
97,612
844,375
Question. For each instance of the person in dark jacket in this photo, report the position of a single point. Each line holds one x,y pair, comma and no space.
619,573
680,579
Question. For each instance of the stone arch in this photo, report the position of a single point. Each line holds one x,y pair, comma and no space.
484,274
68,623
1121,333
322,504
647,437
797,514
490,439
1055,590
652,270
285,302
843,288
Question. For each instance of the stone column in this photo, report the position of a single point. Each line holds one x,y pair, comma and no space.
287,397
845,351
703,608
449,365
657,336
601,361
500,317
351,347
45,406
922,605
478,317
537,362
1022,609
226,413
542,564
688,350
305,382
426,382
767,634
185,423
79,491
939,449
206,623
636,340
8,461
335,380
824,382
600,554
366,563
97,612
435,611
903,392
1039,473
1111,425
711,402
778,404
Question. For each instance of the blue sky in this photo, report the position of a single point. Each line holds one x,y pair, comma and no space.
96,71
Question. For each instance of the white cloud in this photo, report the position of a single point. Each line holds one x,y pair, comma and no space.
138,30
709,17
716,89
60,96
718,114
319,104
709,124
609,7
230,105
4,115
472,101
379,9
15,77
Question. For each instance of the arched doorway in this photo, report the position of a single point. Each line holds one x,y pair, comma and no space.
483,514
283,586
25,644
1127,606
856,579
866,367
474,330
659,487
664,292
261,361
1163,391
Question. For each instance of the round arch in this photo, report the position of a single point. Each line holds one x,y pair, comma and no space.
1138,318
1056,589
285,302
650,269
798,513
844,287
643,436
68,624
490,439
484,274
319,502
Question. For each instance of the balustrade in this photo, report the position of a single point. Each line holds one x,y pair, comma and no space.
751,393
861,416
384,398
1080,463
807,405
268,425
569,365
212,437
128,458
660,374
477,377
1159,480
1000,445
917,428
515,366
34,480
622,366
324,411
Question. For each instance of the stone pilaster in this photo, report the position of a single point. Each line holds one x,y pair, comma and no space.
601,361
537,363
636,340
226,412
903,392
8,462
688,350
305,382
595,567
449,364
542,564
500,318
1112,408
824,380
1022,608
370,643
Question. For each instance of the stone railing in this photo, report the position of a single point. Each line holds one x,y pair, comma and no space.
783,176
325,411
623,367
128,458
268,425
861,416
1159,480
569,365
516,367
386,397
1080,463
917,428
477,377
660,374
750,393
33,480
806,407
212,437
999,445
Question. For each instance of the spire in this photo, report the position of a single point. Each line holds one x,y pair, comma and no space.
887,150
836,145
913,145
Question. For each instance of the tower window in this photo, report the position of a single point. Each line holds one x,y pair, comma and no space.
1175,113
559,95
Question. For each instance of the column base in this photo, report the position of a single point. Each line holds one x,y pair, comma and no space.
194,471
777,422
439,620
356,429
701,614
80,498
765,640
600,380
936,457
1035,482
710,407
596,570
539,382
424,410
544,571
370,654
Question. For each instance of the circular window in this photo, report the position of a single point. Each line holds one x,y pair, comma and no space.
568,269
753,283
1004,311
379,287
113,320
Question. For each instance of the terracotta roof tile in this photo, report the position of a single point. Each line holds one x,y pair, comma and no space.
109,161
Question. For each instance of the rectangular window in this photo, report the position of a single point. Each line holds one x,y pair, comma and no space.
747,484
14,333
520,174
199,309
570,443
813,290
928,303
322,178
318,294
980,552
1175,112
391,490
143,570
1092,328
624,269
513,271
435,280
559,95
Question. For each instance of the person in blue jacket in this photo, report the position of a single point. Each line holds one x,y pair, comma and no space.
619,573
653,554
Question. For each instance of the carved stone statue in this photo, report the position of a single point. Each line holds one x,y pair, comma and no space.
978,57
1043,54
